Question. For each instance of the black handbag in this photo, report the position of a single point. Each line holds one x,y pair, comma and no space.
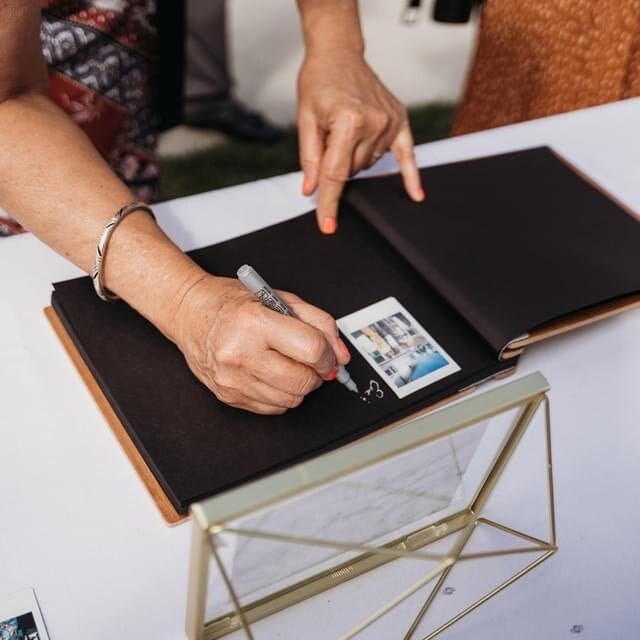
450,11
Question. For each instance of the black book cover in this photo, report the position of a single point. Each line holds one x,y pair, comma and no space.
512,241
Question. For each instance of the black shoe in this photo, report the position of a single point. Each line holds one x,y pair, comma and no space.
235,120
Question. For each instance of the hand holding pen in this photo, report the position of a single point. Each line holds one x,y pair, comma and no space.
250,357
254,282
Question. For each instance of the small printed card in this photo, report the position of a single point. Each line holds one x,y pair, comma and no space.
402,352
20,617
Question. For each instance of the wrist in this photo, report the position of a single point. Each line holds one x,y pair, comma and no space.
143,267
179,304
334,47
324,51
198,301
331,26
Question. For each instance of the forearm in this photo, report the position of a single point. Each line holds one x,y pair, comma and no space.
55,184
331,25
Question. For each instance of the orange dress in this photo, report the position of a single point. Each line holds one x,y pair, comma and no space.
541,57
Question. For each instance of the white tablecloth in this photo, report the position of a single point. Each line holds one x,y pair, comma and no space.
77,525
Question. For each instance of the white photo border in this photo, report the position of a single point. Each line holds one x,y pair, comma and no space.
20,603
379,311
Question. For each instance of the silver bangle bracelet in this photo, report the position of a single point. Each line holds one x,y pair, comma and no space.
103,243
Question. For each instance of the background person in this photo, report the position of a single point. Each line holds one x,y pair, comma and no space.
535,59
208,98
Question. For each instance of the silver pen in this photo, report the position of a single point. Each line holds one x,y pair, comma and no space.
251,279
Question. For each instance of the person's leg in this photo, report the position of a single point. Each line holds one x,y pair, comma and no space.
170,55
208,98
207,77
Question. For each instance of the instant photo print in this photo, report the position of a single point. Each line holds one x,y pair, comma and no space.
20,617
504,251
369,537
402,352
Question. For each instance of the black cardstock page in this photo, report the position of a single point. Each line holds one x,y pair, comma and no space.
511,241
197,446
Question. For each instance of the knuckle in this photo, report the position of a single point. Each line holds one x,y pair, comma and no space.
405,153
246,316
227,354
336,174
294,401
291,297
225,395
224,382
399,109
305,384
352,119
328,323
380,120
266,409
315,347
307,164
394,131
305,116
400,118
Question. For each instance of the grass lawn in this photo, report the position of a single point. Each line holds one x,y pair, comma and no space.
236,162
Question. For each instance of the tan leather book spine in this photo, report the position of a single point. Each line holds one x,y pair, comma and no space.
167,510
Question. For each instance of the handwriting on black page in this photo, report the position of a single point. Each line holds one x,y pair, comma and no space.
373,392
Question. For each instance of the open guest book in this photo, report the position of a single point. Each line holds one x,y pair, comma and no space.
432,298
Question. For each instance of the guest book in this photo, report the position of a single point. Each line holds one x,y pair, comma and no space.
433,298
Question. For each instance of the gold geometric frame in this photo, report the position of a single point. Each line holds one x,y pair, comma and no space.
214,517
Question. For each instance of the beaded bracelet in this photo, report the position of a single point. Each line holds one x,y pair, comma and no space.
103,242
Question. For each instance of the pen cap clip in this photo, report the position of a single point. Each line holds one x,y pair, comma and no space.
255,283
251,279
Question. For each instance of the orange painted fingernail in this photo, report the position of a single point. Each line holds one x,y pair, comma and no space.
343,349
332,374
421,194
328,226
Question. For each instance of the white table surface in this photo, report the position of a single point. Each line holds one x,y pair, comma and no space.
77,525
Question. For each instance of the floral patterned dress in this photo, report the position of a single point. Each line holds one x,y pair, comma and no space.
100,55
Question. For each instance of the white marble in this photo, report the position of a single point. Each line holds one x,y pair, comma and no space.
369,507
78,526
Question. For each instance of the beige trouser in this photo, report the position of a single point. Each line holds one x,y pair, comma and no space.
207,77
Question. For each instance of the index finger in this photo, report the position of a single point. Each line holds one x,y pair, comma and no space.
310,146
299,341
402,148
321,320
335,170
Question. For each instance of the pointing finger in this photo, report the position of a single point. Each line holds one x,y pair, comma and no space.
402,148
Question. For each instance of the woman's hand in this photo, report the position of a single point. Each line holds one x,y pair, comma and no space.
347,119
250,356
